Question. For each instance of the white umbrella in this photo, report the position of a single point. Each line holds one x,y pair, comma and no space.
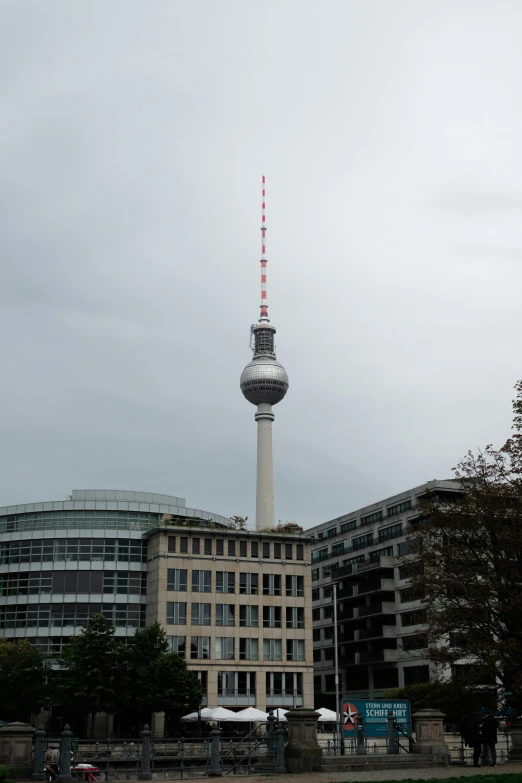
327,716
222,714
280,714
251,714
194,716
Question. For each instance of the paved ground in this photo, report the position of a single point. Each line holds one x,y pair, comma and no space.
432,773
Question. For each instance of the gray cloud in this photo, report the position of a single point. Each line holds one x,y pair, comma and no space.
131,149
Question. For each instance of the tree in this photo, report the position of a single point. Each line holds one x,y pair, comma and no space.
454,699
23,680
94,674
470,550
160,679
239,522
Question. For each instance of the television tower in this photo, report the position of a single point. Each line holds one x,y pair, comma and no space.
264,382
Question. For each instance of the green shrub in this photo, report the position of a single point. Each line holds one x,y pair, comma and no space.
4,775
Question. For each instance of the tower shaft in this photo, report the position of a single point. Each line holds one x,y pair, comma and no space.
265,468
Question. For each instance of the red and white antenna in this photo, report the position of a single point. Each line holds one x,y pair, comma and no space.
264,301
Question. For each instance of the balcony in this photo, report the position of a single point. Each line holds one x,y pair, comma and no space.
377,656
233,697
284,698
387,607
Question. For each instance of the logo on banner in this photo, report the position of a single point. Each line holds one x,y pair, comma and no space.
350,716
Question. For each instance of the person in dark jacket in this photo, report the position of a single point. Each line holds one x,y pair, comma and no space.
470,732
489,735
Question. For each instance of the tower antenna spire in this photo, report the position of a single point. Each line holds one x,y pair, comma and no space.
264,301
264,383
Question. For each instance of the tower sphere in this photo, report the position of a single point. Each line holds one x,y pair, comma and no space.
264,379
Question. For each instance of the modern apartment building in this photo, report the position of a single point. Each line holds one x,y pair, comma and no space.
231,601
380,619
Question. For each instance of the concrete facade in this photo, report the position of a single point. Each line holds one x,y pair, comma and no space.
380,620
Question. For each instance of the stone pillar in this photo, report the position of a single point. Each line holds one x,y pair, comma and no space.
303,752
515,734
280,768
429,727
64,773
39,754
145,773
361,747
215,770
392,739
157,725
16,748
271,732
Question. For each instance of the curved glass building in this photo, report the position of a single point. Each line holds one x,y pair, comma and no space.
231,601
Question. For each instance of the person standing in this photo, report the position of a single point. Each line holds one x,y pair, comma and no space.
470,732
489,735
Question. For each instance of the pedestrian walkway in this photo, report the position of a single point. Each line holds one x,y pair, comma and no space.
441,773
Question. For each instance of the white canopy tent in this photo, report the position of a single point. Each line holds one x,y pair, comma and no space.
217,714
327,716
252,714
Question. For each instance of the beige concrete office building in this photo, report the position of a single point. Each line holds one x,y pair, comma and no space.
235,603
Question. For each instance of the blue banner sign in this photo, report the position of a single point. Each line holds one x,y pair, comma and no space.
375,716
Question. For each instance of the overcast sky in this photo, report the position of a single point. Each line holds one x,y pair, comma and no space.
133,136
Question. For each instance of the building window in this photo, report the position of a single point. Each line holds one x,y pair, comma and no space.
369,518
315,574
394,531
327,612
236,684
271,584
196,546
266,548
327,592
329,683
316,615
200,647
277,550
231,547
284,684
418,641
410,594
272,650
340,548
295,586
177,644
73,550
316,594
225,614
362,541
208,546
319,554
289,552
201,581
249,649
177,579
225,582
328,632
331,532
121,582
386,551
413,568
417,617
220,547
405,548
254,549
200,614
171,543
248,584
294,617
299,552
318,686
316,635
399,508
413,674
242,549
176,613
348,525
271,617
249,616
295,650
183,545
327,570
224,648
